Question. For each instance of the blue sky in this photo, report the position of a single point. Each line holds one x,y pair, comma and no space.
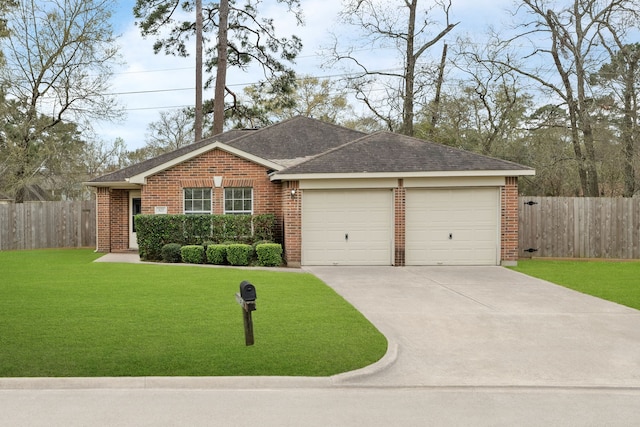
147,83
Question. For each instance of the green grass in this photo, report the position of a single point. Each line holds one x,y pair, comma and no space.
63,315
613,281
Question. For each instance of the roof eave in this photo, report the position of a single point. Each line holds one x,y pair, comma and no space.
432,174
124,185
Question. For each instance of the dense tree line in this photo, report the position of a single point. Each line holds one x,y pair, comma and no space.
557,90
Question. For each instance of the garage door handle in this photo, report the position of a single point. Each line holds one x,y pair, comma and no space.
450,236
346,236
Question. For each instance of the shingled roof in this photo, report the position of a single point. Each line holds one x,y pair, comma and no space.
287,143
307,146
390,152
123,174
295,140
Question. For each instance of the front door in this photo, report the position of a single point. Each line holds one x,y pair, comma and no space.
135,208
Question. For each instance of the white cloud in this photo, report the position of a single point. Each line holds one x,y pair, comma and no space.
147,81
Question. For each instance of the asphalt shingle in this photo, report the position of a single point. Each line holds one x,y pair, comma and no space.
122,174
302,146
390,152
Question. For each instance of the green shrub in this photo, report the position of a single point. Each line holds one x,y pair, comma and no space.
155,231
269,254
239,254
171,252
260,242
192,254
216,254
263,227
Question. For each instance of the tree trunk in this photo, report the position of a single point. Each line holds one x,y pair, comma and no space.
410,70
198,106
579,114
629,125
435,111
221,73
584,111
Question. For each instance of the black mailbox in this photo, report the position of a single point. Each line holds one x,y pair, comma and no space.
247,291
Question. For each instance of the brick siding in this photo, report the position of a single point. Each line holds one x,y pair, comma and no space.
400,195
103,232
509,221
166,188
292,224
113,220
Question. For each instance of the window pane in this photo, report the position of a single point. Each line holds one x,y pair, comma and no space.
238,200
197,200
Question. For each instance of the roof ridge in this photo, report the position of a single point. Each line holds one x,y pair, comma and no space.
291,119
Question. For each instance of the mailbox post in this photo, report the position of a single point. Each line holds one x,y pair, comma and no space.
247,300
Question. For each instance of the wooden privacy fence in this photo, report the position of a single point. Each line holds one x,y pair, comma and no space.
579,227
36,225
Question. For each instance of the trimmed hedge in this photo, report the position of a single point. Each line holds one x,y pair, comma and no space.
171,252
269,254
216,254
155,231
192,254
239,254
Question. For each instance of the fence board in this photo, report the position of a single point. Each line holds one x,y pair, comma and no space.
565,227
37,225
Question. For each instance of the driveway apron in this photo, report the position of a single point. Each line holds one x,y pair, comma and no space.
489,326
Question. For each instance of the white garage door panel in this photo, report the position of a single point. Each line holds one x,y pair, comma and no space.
452,226
329,216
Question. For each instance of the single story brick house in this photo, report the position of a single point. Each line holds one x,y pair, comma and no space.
341,197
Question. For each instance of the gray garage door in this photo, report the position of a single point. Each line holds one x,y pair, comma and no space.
347,227
452,226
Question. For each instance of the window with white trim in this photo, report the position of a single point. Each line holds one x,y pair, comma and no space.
238,200
197,200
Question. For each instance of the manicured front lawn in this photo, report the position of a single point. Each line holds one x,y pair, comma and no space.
613,281
63,315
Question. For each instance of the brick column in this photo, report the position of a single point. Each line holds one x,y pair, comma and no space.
400,219
119,220
103,214
509,222
292,227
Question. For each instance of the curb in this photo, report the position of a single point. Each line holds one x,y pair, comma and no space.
381,365
203,383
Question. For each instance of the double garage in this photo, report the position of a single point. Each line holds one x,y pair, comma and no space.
457,225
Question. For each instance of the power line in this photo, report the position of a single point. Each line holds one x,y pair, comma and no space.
158,108
149,91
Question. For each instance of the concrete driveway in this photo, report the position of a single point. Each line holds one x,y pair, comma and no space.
489,326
